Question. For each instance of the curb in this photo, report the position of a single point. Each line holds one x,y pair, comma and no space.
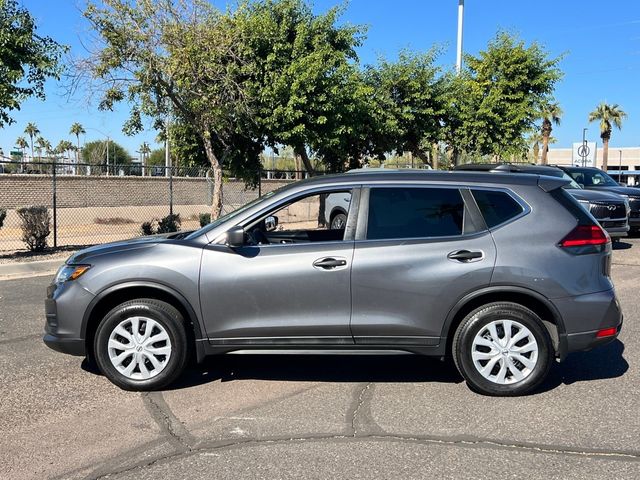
29,269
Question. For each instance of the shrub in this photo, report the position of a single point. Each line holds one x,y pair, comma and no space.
170,223
147,228
35,226
113,221
3,215
205,219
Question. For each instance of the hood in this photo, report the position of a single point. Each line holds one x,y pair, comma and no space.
631,191
595,196
131,244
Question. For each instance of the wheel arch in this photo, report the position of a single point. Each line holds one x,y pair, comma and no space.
530,299
120,293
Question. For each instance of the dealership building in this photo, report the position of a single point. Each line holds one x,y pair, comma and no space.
623,163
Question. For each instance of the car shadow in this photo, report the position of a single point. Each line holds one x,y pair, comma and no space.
319,368
598,364
621,245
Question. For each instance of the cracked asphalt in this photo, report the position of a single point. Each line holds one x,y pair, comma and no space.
315,416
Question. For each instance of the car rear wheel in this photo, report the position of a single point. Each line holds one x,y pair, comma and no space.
339,221
503,349
141,345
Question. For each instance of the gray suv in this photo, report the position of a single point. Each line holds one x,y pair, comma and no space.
502,272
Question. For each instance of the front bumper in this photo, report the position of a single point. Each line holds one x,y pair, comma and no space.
64,309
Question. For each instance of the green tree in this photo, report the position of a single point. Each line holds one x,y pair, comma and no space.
609,116
77,129
300,70
411,92
22,144
42,144
95,153
496,100
178,58
31,130
27,59
550,114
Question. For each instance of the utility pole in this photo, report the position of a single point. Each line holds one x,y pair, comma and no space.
167,156
107,156
620,167
459,49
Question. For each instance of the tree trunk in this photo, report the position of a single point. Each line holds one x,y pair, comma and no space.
436,155
545,150
605,153
216,202
302,153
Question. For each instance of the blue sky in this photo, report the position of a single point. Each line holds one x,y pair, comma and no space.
600,41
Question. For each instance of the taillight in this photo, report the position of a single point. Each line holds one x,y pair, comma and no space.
585,235
606,332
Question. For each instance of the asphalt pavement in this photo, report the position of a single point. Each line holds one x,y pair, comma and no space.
315,416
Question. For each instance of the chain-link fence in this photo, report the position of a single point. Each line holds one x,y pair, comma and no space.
91,204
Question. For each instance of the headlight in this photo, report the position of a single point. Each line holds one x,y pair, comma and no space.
70,272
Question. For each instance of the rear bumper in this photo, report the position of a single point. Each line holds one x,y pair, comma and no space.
584,316
617,232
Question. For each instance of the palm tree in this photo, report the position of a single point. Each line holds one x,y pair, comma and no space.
77,130
550,114
42,144
144,151
31,130
607,115
63,147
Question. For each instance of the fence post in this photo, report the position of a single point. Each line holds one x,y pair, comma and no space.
170,190
55,207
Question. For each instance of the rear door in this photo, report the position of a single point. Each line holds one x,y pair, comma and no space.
418,250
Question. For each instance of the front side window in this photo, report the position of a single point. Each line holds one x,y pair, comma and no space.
313,218
414,212
592,177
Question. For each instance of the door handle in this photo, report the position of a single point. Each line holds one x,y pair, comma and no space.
465,256
328,263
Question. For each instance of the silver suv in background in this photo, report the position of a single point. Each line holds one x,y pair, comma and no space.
504,273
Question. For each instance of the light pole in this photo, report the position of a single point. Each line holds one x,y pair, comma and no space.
108,138
459,47
584,147
620,167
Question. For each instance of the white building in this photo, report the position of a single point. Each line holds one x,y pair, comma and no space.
623,162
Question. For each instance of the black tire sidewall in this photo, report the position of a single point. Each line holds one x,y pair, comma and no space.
162,313
478,320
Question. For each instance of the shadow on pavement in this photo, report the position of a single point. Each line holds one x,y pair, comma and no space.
620,245
598,364
320,368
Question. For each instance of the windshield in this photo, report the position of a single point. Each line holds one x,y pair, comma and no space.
230,215
572,184
592,177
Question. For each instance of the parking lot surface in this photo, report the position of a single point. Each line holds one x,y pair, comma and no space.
315,416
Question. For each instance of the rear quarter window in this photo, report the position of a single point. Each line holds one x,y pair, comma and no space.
496,207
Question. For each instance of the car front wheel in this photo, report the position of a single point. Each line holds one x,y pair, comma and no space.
141,345
503,349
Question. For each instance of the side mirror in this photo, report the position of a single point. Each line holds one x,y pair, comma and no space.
235,237
581,185
270,223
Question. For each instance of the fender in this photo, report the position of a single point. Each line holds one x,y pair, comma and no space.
195,319
504,289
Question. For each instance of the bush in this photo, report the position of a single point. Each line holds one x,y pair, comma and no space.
3,215
35,226
147,228
205,219
170,223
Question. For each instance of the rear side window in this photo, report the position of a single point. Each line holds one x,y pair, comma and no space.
414,213
496,207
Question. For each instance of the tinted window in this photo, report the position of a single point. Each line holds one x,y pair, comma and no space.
496,207
592,177
414,213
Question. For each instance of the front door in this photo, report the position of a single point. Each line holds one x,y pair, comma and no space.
289,285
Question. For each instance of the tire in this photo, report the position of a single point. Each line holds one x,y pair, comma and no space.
338,221
492,367
139,364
